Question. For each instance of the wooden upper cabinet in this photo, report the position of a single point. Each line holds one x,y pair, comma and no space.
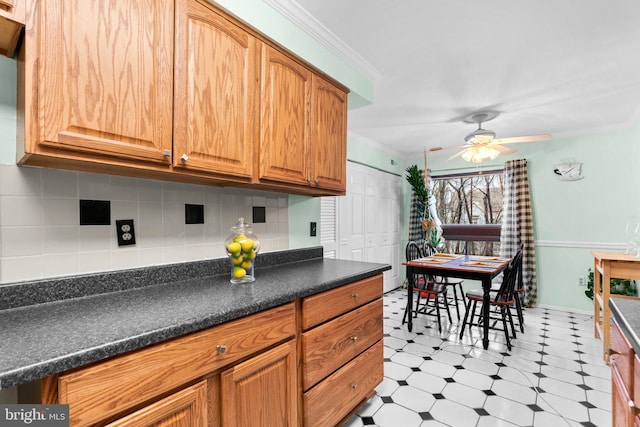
104,76
12,16
216,92
284,133
328,136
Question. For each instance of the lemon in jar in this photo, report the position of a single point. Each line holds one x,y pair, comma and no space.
239,272
246,264
237,260
246,245
234,248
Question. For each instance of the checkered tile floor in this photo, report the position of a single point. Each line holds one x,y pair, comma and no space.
553,376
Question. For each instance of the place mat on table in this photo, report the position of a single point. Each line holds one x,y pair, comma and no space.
431,260
492,259
487,264
449,256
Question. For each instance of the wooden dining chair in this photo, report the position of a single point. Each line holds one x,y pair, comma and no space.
425,288
503,299
450,282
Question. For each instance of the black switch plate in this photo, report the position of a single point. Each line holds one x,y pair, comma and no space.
193,214
125,232
95,212
313,229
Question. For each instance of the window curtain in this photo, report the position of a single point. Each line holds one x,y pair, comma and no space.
415,220
517,225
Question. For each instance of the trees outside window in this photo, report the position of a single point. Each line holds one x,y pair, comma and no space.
470,199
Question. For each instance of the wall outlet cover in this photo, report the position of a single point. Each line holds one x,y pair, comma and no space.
125,232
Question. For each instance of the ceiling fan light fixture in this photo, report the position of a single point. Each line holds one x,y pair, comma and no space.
480,153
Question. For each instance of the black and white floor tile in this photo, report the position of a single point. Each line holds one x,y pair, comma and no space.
553,376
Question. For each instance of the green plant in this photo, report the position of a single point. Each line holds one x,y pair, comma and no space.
434,237
616,286
416,181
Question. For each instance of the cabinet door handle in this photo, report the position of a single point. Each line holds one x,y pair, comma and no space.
633,407
184,158
354,386
316,181
166,153
308,180
611,351
355,296
354,339
221,349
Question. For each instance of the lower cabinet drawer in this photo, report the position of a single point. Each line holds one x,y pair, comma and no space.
108,388
332,344
332,399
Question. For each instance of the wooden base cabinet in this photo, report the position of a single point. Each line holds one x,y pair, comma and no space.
625,380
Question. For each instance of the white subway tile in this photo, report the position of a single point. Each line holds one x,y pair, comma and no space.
63,264
61,211
151,256
59,183
93,262
94,186
21,211
283,214
194,234
149,190
21,268
194,194
125,257
96,238
124,210
173,254
149,236
21,241
195,252
173,192
150,213
20,181
123,188
259,201
61,239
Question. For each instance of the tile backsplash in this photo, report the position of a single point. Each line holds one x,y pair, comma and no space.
40,235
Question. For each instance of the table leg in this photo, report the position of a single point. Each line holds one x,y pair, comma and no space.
409,309
596,298
606,311
486,301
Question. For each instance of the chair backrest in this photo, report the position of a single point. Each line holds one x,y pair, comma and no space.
511,276
428,249
413,251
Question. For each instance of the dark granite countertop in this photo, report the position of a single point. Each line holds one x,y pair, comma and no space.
627,315
53,336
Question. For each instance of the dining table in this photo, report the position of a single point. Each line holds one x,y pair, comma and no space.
472,267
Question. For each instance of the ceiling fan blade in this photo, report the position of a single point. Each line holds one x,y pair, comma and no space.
503,149
530,138
458,154
452,147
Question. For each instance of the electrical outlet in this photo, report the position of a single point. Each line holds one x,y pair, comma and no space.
582,281
125,232
312,229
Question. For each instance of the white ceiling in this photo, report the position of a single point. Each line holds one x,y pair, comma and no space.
565,67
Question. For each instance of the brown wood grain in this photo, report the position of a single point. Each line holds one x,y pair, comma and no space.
332,344
327,305
332,399
110,387
263,390
12,20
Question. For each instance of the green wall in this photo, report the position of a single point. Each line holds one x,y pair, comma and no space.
8,110
572,218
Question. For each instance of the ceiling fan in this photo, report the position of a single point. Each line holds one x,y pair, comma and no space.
482,144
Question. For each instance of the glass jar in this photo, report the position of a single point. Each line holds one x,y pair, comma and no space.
242,247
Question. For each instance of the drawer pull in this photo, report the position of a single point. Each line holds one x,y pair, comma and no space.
221,349
355,296
354,386
166,153
354,339
611,351
184,158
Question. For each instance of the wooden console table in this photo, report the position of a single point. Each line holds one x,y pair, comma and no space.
605,266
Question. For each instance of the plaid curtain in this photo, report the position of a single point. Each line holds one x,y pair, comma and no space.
517,225
415,224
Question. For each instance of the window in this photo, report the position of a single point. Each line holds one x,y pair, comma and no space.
470,209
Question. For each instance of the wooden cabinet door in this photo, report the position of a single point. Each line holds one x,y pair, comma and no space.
622,411
262,391
12,16
328,136
284,138
216,92
186,408
105,78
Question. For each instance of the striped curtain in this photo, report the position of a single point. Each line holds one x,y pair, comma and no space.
415,220
517,225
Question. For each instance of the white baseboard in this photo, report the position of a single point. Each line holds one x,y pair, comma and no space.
579,245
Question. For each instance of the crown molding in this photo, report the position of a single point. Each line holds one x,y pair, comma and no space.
303,19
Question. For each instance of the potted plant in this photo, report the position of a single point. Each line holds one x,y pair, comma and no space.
417,182
617,286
